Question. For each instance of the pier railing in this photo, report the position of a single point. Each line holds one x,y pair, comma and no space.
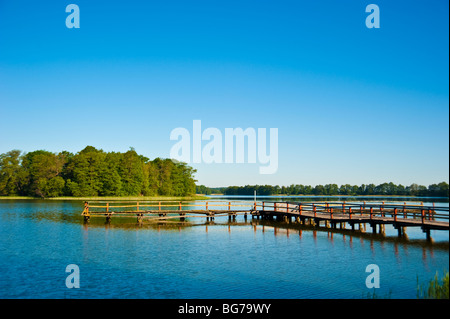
375,214
310,209
350,209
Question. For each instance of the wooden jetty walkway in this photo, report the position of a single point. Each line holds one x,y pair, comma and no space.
319,214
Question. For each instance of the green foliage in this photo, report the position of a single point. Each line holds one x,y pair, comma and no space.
10,173
437,289
174,178
202,189
41,174
92,172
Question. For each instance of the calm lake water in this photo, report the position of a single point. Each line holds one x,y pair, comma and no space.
244,259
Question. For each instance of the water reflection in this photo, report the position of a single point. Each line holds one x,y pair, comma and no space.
68,212
202,259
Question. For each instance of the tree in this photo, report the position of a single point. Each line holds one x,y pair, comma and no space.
202,189
346,189
151,174
331,189
85,171
109,177
42,173
131,171
11,173
319,190
443,189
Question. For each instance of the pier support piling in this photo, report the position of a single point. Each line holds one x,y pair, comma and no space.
399,231
427,232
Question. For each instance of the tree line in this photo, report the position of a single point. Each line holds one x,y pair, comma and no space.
434,190
92,172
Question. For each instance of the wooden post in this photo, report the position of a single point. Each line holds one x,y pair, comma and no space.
206,205
404,210
229,205
300,209
85,214
395,214
262,205
331,212
274,207
180,206
287,207
159,206
254,206
371,212
314,210
137,206
399,230
423,216
350,213
427,232
107,207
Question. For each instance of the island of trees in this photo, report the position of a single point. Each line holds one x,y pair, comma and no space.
92,172
384,189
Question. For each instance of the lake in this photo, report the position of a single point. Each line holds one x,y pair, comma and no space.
242,259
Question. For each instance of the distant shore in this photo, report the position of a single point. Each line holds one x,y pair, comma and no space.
302,195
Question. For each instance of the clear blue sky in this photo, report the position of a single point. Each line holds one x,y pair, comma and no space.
351,104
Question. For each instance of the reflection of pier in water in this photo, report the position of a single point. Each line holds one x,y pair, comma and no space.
300,231
315,215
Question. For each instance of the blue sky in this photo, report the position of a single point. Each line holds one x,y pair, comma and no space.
351,104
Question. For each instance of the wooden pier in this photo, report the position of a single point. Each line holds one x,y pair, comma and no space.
317,214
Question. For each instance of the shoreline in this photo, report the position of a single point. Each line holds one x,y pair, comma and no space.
201,197
110,198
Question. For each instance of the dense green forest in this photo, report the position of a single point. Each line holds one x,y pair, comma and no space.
92,172
435,190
